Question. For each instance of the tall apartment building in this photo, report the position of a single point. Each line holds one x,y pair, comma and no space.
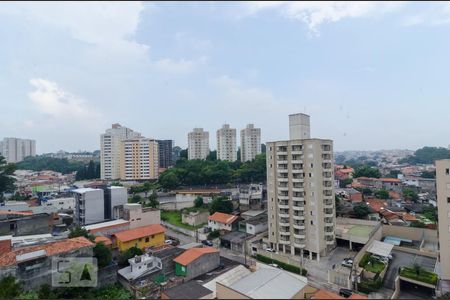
198,144
139,159
300,192
250,142
110,148
443,205
226,143
15,149
165,153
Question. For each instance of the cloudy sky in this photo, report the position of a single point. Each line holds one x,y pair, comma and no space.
371,75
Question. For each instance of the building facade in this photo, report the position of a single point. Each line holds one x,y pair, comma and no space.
443,205
226,143
165,153
110,149
250,142
15,150
89,206
300,192
139,159
198,144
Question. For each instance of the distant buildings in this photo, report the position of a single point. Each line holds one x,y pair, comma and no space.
110,148
300,192
250,142
139,159
15,149
443,205
226,143
165,153
198,144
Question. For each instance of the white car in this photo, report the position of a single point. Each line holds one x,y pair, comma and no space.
273,265
270,250
168,242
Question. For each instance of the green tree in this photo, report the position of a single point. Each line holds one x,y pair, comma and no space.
169,180
130,253
382,194
427,174
153,200
430,212
39,163
393,173
6,179
184,153
427,155
410,195
9,287
366,191
80,231
417,224
103,255
198,202
135,199
361,210
221,204
366,171
212,155
345,182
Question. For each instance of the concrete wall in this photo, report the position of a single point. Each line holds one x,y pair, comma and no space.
410,233
29,225
202,265
224,292
195,219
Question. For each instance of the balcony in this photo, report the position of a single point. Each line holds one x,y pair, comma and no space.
329,224
283,205
298,208
283,188
329,233
299,244
283,215
298,217
300,226
284,242
297,152
283,197
330,242
297,161
298,189
283,179
300,236
284,223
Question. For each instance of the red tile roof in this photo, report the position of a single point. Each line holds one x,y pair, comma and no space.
324,294
192,254
9,258
388,214
358,296
408,217
140,232
222,218
376,204
390,180
104,240
347,171
19,213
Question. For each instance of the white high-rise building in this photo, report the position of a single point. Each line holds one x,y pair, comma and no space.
15,150
300,192
226,143
198,144
443,206
110,149
250,142
139,159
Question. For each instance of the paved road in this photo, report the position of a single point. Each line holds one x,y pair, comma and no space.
184,239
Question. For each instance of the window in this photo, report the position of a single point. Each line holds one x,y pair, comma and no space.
449,228
448,199
147,239
448,213
447,171
313,224
448,186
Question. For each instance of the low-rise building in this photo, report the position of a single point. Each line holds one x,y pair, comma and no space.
32,266
139,216
89,206
251,197
140,266
25,223
221,221
196,261
195,218
141,237
108,228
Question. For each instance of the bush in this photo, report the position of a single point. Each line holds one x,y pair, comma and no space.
370,285
284,266
364,260
419,274
213,235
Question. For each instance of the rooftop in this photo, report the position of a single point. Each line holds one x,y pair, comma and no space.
10,258
192,254
222,218
140,232
106,224
188,290
85,190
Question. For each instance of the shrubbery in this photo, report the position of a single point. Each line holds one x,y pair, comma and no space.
284,266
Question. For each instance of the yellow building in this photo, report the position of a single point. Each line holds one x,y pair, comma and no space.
141,237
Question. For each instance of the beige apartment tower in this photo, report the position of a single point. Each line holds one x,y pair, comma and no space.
443,205
110,150
250,142
198,144
226,143
139,159
300,192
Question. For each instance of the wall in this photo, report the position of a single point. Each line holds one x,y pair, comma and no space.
224,292
202,265
29,225
157,240
94,203
410,233
143,217
195,219
255,229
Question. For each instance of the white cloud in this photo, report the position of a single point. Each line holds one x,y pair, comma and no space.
53,101
315,13
437,14
181,66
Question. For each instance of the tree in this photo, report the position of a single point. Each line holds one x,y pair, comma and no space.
430,212
135,199
393,173
361,210
184,153
6,179
212,155
9,287
345,182
169,180
417,268
79,231
427,155
39,163
103,255
382,194
410,195
417,224
366,171
153,200
427,174
130,253
198,202
221,204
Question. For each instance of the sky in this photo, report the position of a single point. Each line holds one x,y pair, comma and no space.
371,75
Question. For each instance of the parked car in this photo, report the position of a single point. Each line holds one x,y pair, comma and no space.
383,259
207,243
168,242
345,293
270,250
273,265
347,262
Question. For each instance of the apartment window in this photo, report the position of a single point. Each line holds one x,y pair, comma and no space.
147,239
447,171
313,224
448,199
448,213
312,165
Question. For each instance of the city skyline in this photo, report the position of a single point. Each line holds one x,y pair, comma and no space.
225,64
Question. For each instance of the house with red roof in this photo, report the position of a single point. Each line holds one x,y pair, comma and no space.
221,221
140,237
196,261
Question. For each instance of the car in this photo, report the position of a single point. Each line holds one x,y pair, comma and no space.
207,243
270,250
383,259
168,242
347,263
273,265
345,293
